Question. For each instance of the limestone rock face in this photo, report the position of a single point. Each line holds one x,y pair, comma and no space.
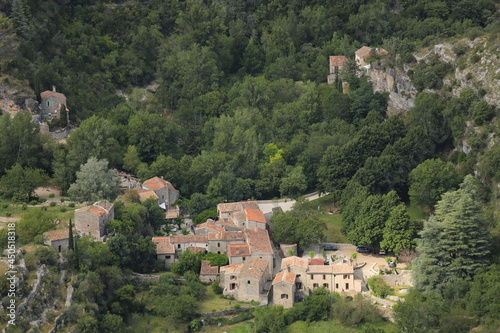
14,100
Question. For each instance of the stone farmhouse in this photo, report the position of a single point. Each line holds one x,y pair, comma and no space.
93,220
164,250
164,192
52,103
337,277
58,239
208,273
336,65
363,53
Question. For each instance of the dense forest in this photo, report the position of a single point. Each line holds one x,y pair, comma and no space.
228,101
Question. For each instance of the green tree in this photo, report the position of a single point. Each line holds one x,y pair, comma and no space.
34,223
188,261
430,179
21,16
95,182
378,286
399,231
131,160
269,319
294,184
454,242
299,226
19,183
112,323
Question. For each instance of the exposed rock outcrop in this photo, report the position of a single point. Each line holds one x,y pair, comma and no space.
13,100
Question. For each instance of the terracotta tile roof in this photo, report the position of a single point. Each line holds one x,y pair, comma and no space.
316,261
363,52
337,60
59,234
231,269
254,267
157,183
293,261
94,210
172,213
163,245
104,204
255,215
226,235
188,239
287,277
50,93
237,250
210,226
227,223
324,269
236,206
342,269
196,249
258,240
239,217
146,194
206,269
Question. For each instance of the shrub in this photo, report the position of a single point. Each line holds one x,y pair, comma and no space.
52,195
71,205
378,286
24,206
63,209
41,200
52,204
33,202
216,288
8,214
5,205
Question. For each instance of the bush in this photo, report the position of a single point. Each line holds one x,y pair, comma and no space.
33,202
5,205
378,286
216,288
71,205
52,195
356,311
8,214
52,204
24,206
63,209
41,200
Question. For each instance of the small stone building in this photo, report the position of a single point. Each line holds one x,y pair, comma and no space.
165,191
93,220
164,250
182,242
363,53
218,241
208,273
52,103
58,239
284,289
255,218
246,282
336,65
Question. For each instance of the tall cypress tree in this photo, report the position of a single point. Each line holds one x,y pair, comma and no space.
70,236
454,243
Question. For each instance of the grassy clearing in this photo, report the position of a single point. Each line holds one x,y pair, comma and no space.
334,326
212,302
333,221
60,212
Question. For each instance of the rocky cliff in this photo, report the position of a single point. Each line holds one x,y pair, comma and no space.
13,100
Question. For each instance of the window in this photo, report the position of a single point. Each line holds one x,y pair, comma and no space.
312,277
298,285
178,246
298,275
347,286
346,277
248,282
336,286
244,258
324,277
284,296
167,257
48,103
218,244
325,285
232,286
315,285
232,277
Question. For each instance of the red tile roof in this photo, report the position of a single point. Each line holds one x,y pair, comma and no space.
157,183
337,60
206,269
365,51
254,267
255,215
188,239
50,93
237,250
331,269
293,261
287,277
163,245
146,194
226,235
59,234
258,240
210,226
316,261
236,206
94,210
231,269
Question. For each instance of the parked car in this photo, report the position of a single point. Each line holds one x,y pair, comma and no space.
364,249
329,247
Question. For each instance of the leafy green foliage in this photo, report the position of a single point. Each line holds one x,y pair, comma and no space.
378,286
188,261
19,183
269,319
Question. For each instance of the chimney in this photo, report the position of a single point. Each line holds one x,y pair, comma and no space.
53,88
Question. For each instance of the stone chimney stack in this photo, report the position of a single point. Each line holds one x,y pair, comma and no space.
53,88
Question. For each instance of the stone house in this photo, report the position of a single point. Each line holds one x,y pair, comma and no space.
226,210
336,65
182,242
363,53
52,103
238,253
93,220
284,289
58,239
260,246
298,266
255,218
209,226
219,241
146,194
208,273
246,281
165,191
164,250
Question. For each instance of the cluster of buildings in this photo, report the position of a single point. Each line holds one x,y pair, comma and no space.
241,232
361,56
